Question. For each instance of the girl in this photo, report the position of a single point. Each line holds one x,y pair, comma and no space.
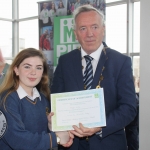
25,102
52,12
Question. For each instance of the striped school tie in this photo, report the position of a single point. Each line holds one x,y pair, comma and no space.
88,73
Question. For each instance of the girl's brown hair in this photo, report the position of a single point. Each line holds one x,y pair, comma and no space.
11,81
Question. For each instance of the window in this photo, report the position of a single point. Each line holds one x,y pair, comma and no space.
109,1
6,9
116,30
116,27
136,28
28,8
28,34
136,43
6,38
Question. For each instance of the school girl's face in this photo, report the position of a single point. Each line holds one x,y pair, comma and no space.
30,72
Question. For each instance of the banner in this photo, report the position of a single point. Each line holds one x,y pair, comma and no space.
56,36
64,38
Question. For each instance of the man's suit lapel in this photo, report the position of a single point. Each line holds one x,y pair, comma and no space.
99,68
77,67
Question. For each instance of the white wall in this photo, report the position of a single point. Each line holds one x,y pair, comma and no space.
144,138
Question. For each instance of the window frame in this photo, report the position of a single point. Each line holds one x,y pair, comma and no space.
15,25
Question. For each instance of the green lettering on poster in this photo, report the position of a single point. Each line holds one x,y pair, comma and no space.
64,38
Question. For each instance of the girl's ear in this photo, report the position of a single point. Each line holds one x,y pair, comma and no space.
16,71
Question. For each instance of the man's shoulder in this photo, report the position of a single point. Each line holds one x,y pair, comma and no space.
110,50
115,54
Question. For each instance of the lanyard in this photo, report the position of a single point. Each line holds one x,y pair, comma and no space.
101,76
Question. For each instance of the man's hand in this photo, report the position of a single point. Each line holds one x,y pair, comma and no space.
82,131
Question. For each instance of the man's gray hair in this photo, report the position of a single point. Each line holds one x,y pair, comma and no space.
87,8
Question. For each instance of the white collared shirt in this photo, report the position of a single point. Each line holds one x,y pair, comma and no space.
95,55
22,93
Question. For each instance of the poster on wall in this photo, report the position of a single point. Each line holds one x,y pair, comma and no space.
48,10
73,4
56,36
46,44
64,38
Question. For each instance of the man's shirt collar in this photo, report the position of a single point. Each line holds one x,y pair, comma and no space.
95,55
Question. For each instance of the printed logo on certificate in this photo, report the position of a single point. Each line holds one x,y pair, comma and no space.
71,108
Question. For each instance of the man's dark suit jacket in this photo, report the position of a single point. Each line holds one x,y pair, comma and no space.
119,94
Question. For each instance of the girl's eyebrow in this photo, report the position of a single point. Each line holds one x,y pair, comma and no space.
31,65
27,64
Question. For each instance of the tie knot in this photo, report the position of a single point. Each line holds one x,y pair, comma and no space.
88,58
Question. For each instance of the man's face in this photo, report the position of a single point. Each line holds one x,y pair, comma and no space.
89,31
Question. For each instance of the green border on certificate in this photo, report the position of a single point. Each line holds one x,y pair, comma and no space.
71,108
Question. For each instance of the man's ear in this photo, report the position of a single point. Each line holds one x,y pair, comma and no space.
103,31
75,35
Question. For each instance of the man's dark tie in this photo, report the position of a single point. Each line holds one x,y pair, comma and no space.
88,73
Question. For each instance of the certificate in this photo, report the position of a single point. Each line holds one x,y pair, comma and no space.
71,108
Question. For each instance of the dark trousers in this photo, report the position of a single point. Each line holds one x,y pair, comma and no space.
132,138
83,144
132,133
